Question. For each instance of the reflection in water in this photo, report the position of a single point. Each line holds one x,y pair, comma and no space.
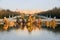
28,30
35,34
42,34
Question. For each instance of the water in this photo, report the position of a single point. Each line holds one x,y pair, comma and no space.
42,34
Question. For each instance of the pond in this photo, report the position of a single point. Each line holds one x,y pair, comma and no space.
42,34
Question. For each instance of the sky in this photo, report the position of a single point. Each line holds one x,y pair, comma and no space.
29,4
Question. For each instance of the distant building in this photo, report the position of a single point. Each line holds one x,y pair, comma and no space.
28,11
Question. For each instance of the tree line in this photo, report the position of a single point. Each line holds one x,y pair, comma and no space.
55,12
7,13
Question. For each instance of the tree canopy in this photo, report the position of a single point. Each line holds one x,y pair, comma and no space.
55,12
6,13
